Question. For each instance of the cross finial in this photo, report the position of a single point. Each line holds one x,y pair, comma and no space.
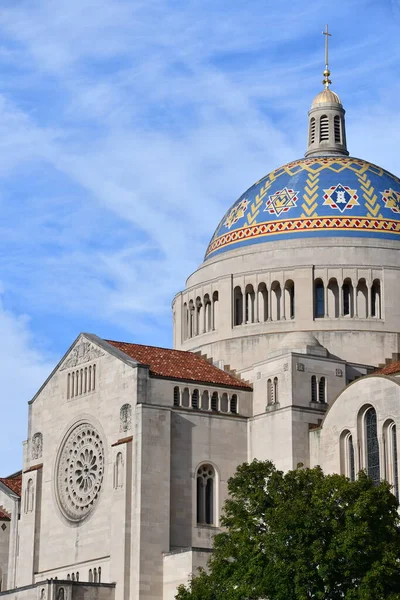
327,72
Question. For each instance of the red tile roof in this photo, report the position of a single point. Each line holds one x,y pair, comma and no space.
178,364
390,369
13,482
4,515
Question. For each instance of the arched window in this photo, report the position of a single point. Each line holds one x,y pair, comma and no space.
195,399
176,396
323,129
312,131
322,390
372,445
215,315
68,577
90,380
391,459
185,330
205,400
289,299
270,392
207,313
276,295
185,398
119,471
319,299
199,325
224,402
191,319
99,571
347,455
205,495
338,136
77,576
85,386
333,298
214,401
94,377
250,300
313,389
73,385
362,299
262,303
90,576
376,299
69,386
95,575
81,382
234,404
237,306
275,390
347,292
73,577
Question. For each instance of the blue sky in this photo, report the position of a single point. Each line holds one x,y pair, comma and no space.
127,128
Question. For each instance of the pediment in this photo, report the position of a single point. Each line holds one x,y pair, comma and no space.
83,352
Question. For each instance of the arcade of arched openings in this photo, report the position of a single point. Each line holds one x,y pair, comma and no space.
200,315
264,303
347,299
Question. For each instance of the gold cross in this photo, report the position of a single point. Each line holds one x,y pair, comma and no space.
327,36
326,80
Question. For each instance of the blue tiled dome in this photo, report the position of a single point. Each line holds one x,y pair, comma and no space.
313,197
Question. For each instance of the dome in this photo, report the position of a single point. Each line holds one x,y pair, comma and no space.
327,96
313,197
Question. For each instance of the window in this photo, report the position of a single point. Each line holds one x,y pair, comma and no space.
275,400
250,301
270,392
205,495
176,396
313,389
90,576
338,137
312,131
372,445
262,302
205,400
81,381
289,299
376,299
346,299
391,460
238,306
324,129
347,455
215,299
319,299
234,404
185,398
195,399
224,402
322,390
99,571
214,401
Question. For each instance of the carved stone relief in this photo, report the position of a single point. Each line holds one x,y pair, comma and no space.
37,445
125,415
82,353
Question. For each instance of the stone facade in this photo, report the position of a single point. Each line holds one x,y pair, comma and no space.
276,344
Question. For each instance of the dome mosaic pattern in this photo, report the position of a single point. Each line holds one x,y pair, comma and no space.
313,197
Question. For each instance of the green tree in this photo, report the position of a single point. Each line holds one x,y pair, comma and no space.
302,535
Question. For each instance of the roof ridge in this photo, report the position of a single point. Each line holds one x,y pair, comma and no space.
152,346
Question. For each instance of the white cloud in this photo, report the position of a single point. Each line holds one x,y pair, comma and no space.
23,368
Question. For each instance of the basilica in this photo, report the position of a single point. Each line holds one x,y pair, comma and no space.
286,347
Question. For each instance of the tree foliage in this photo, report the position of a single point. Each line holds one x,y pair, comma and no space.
302,535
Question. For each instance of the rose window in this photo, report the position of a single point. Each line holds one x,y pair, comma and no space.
80,472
